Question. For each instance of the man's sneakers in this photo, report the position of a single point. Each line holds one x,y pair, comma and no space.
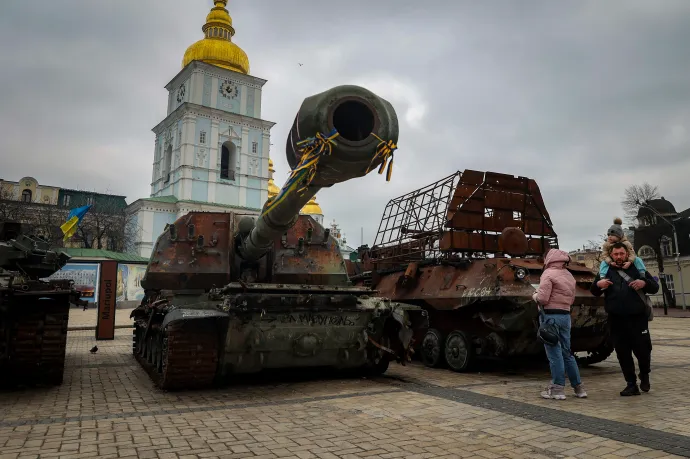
580,391
630,389
554,391
644,383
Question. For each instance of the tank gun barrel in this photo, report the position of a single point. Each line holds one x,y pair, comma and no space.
340,134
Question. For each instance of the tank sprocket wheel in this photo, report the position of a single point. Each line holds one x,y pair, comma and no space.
432,348
458,351
378,363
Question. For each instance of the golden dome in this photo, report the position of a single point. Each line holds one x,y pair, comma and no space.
217,48
312,208
273,189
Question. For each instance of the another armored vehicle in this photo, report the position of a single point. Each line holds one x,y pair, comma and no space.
229,294
469,249
33,312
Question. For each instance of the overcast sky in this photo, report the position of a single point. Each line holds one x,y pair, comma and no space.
586,97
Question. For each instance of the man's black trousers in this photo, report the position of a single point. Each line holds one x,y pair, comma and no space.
631,336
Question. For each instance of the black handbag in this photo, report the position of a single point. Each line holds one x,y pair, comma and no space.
548,332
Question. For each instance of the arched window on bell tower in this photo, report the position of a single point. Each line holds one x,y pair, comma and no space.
26,195
167,165
228,159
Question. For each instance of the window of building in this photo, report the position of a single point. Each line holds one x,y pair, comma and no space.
669,283
202,137
167,164
646,252
255,147
65,200
666,247
89,200
227,161
488,212
26,195
580,258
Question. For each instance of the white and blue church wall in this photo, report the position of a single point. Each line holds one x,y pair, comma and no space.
212,149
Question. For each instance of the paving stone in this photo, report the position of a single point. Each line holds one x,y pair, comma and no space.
108,406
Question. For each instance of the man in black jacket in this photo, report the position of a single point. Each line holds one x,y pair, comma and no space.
628,317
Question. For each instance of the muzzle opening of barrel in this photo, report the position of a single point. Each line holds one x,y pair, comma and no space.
354,120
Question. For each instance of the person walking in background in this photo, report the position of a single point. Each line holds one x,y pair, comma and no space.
623,291
556,293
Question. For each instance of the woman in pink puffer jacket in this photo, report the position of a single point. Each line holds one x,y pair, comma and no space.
556,293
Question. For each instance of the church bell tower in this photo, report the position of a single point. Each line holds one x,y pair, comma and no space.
211,151
213,146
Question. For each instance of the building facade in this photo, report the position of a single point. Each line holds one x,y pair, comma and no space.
43,208
655,243
591,258
211,152
29,190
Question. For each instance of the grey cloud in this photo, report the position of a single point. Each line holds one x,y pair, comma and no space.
586,97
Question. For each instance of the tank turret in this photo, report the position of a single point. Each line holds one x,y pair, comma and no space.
31,256
230,293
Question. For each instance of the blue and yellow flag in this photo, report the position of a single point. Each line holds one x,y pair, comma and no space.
73,219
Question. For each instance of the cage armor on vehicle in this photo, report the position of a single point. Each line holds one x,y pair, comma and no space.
469,249
230,294
33,312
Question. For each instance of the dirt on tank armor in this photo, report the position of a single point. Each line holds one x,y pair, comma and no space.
230,294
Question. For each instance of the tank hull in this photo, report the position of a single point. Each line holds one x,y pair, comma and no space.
486,310
33,333
202,341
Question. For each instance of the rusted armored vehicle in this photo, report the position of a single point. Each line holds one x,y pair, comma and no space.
33,312
469,249
230,294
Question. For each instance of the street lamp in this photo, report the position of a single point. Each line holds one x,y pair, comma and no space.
675,242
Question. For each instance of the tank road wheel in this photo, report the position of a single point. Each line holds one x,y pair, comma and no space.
432,348
458,351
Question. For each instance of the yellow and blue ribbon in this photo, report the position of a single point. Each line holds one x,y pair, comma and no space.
312,149
384,150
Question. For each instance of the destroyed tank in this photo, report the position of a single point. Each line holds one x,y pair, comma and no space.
229,294
33,312
469,249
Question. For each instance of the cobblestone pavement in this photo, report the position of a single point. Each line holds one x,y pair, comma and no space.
80,319
108,408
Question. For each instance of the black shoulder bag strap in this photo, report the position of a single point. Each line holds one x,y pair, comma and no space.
643,296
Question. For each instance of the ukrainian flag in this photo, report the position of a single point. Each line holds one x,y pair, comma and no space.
73,219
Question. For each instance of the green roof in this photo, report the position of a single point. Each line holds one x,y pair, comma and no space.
172,200
98,253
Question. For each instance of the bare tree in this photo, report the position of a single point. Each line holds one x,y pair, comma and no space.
635,196
105,226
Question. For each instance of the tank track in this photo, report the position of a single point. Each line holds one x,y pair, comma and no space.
597,355
35,344
183,356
